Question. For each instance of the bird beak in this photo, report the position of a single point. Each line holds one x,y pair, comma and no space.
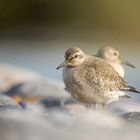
127,63
63,64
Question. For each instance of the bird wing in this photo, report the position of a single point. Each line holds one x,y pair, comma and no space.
101,75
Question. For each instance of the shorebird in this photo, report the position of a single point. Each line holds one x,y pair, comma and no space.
112,56
91,80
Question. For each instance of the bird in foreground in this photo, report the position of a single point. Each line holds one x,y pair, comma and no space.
112,56
91,80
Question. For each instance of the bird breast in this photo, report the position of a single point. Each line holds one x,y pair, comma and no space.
76,84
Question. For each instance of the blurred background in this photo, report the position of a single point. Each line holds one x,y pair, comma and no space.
35,33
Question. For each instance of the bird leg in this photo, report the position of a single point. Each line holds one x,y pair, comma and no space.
91,107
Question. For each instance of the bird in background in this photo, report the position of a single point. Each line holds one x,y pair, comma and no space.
91,80
112,56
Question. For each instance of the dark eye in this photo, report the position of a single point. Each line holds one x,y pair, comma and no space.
76,56
115,53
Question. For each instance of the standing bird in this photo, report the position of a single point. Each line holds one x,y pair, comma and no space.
91,80
112,56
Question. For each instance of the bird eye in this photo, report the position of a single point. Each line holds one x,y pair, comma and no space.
76,56
115,53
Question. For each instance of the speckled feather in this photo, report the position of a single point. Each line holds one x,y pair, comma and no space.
93,81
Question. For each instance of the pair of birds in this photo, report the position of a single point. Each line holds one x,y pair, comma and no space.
97,79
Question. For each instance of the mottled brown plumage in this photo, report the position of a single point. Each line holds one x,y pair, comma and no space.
91,80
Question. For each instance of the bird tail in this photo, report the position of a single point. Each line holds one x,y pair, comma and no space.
133,89
127,96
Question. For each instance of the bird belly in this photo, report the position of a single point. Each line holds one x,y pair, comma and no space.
76,88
